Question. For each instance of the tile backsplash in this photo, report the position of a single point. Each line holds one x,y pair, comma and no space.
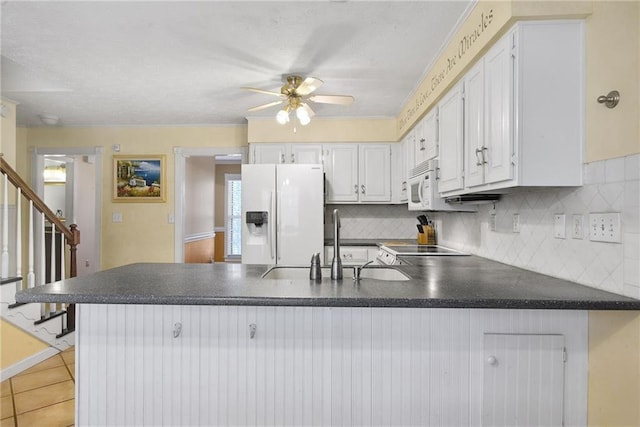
609,186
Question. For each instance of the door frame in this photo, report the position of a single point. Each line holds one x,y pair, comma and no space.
180,155
37,155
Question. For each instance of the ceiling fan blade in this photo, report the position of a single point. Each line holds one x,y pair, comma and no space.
332,99
263,106
309,85
267,92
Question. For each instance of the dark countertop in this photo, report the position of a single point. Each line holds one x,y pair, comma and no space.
454,282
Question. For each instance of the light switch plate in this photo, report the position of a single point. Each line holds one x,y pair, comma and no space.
559,226
604,227
116,217
577,226
515,222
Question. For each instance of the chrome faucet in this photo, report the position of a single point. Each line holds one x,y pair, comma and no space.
336,263
358,269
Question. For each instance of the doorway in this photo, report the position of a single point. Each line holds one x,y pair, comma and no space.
63,177
196,218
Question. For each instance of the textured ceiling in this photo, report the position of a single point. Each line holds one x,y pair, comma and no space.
183,63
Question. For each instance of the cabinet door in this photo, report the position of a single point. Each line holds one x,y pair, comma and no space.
410,151
523,380
427,137
450,135
341,172
498,76
474,159
375,172
419,142
269,153
306,153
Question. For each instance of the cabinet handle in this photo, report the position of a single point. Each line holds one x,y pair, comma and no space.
492,360
252,330
355,187
177,329
484,150
282,158
479,162
293,158
362,187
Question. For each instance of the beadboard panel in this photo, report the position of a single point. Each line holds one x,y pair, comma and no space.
303,366
571,325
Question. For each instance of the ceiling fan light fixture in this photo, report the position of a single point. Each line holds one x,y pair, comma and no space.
49,119
303,114
283,116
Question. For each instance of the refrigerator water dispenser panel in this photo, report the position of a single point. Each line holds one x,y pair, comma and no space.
257,218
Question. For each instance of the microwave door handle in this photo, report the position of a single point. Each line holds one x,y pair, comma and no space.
420,191
272,226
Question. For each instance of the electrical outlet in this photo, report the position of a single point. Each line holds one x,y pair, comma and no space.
116,217
171,219
577,230
604,227
516,223
559,226
492,222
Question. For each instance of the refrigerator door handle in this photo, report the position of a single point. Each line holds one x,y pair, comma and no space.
272,227
279,204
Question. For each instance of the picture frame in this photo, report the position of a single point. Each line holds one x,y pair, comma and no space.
139,178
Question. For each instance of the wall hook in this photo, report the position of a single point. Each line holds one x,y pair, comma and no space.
611,100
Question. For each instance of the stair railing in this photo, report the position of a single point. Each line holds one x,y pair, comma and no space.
52,253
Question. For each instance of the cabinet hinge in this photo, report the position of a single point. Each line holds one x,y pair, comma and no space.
514,51
564,354
514,159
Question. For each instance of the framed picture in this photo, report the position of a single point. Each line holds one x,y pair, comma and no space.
139,178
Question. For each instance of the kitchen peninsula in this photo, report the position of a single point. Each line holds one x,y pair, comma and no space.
457,344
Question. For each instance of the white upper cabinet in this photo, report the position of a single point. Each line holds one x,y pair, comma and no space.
341,173
426,137
450,128
358,173
306,153
374,167
523,113
286,153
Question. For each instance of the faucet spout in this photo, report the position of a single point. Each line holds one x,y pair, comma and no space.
336,263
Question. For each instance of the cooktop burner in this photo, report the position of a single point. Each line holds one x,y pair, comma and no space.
409,250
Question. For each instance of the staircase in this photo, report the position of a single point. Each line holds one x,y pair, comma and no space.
34,234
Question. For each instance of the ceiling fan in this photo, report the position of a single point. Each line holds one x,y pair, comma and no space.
296,94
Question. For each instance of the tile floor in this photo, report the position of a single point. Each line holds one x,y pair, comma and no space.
43,395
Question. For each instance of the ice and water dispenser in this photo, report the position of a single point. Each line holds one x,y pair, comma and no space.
257,224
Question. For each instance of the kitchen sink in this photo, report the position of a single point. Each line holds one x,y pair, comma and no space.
376,272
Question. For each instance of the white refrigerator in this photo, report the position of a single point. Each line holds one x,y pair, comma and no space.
282,213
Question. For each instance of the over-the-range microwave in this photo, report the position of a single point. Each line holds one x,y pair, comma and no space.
423,190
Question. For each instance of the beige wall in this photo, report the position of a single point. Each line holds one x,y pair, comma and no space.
614,369
8,133
613,49
144,223
17,345
324,130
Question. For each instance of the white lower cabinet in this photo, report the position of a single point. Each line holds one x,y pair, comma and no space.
523,381
297,366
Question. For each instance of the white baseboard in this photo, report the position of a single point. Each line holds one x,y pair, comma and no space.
25,364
